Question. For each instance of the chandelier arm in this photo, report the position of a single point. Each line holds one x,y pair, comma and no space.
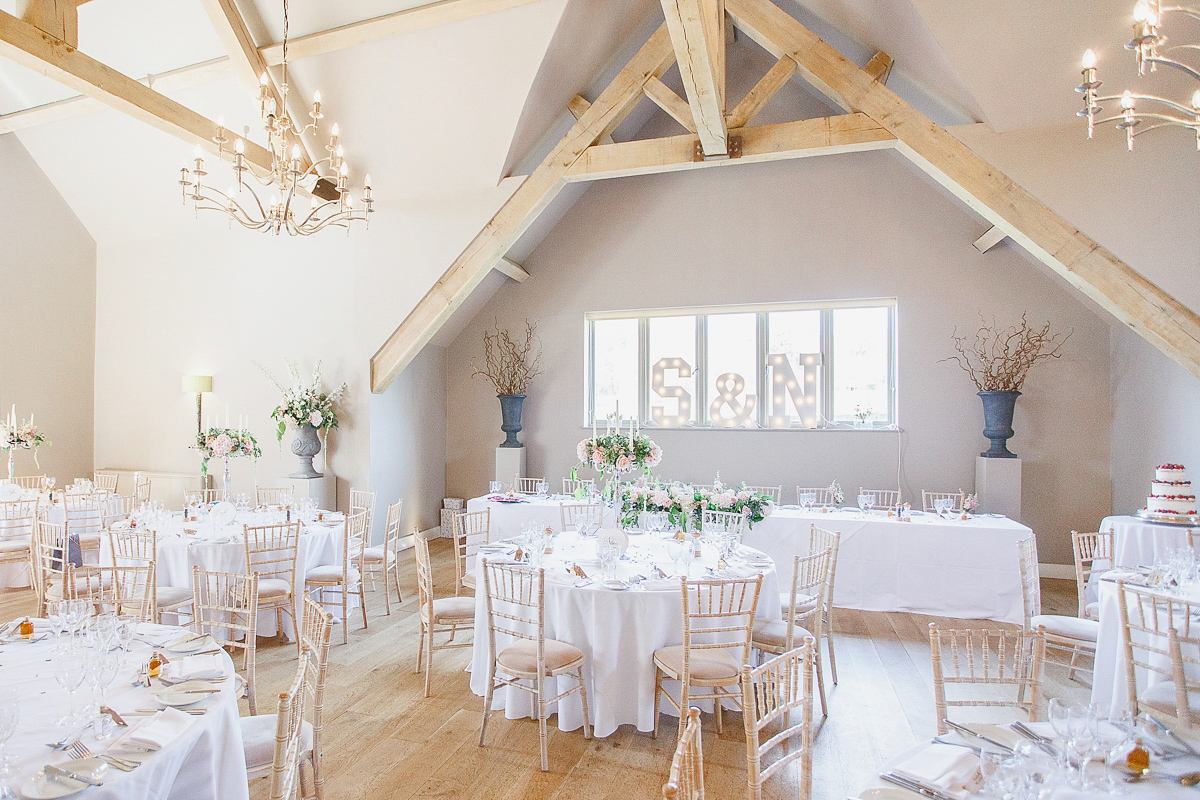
1152,98
1167,120
1170,62
1172,124
1184,10
245,223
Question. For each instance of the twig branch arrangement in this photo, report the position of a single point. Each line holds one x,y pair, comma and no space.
998,360
510,363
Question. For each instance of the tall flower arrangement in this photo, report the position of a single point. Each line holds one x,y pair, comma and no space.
23,435
305,402
616,453
225,443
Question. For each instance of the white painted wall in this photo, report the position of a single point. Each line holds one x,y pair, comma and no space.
838,227
48,322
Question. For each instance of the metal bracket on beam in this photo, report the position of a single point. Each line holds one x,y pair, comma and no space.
735,151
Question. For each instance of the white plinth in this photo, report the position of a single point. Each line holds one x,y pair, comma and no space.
322,490
998,486
510,463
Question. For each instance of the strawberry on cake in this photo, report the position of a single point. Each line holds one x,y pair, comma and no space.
1171,492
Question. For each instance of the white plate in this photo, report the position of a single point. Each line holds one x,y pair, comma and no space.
886,793
177,699
42,787
192,646
615,584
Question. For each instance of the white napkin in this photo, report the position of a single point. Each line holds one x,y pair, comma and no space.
11,492
166,726
157,634
943,766
732,571
223,514
661,584
203,667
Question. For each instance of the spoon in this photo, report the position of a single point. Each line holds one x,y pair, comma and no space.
1186,779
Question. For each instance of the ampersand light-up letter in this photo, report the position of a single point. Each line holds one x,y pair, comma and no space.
802,392
683,411
729,386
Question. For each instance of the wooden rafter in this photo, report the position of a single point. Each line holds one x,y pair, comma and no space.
845,133
668,101
512,270
42,53
698,34
55,17
762,91
577,105
519,211
1152,313
879,67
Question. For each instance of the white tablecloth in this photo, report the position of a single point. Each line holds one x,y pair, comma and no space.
1138,542
941,567
206,762
320,545
508,519
618,631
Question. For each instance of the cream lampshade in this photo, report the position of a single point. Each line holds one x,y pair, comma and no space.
197,383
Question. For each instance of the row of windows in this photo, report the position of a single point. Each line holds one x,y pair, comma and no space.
801,365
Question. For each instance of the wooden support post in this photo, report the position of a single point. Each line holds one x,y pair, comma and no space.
55,17
698,34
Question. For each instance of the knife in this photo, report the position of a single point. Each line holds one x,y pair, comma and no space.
965,730
914,786
59,772
1036,738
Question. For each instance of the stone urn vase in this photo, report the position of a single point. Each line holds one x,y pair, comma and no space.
306,445
998,410
511,406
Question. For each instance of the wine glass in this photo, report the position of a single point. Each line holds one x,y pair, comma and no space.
55,613
808,500
10,715
675,550
104,670
863,500
870,502
543,489
69,670
607,551
126,629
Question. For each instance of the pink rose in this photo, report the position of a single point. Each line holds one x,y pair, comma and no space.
623,462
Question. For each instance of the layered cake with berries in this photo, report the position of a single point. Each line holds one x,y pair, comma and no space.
1171,492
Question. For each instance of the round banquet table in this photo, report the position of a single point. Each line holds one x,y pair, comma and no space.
1138,542
618,631
509,519
222,549
205,762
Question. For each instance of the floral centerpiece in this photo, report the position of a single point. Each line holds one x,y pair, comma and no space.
616,453
308,410
226,443
838,496
23,435
684,504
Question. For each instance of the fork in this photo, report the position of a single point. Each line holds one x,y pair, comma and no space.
81,750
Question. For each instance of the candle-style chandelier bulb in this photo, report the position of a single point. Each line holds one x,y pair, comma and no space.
1127,100
1089,59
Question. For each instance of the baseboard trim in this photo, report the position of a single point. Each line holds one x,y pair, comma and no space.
407,541
1062,571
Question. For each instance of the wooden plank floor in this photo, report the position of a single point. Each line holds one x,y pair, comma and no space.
383,739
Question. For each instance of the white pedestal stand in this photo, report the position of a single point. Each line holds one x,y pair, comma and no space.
510,463
323,490
998,486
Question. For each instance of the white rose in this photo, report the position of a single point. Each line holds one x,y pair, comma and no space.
314,419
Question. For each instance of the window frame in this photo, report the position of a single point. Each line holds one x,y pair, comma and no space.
762,341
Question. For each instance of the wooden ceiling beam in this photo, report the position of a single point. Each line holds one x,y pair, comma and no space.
55,17
675,106
845,133
1114,285
762,91
42,53
698,34
577,105
879,67
511,269
518,212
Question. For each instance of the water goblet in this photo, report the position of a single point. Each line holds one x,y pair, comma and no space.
126,630
10,715
863,502
495,487
104,671
808,500
675,551
870,502
608,552
543,488
55,613
70,668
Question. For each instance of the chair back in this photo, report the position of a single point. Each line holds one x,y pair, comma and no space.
719,615
141,490
49,557
987,658
1031,587
927,499
199,497
272,496
17,520
810,578
685,781
587,484
724,522
391,531
285,766
572,515
362,500
775,492
821,539
526,485
84,513
316,626
225,606
471,529
355,541
271,550
120,589
824,496
1161,637
106,481
772,692
1093,551
37,482
133,547
515,606
424,576
884,498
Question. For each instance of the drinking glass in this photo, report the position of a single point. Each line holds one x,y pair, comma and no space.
10,715
543,488
495,487
104,669
608,552
126,629
55,612
863,501
808,500
69,670
675,551
870,502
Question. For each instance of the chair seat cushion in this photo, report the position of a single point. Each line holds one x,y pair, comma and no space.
446,609
804,602
258,739
1161,697
468,581
89,539
1085,630
375,555
521,656
1092,611
774,634
706,665
273,587
330,573
172,595
15,545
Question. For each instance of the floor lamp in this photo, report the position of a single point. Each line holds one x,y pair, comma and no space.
198,385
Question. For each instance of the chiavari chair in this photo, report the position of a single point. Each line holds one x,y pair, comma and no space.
821,539
986,659
588,485
576,515
289,738
772,692
810,577
141,490
774,492
85,515
516,606
1093,551
884,498
17,521
1161,639
140,548
107,481
956,498
718,621
225,606
685,781
49,567
471,530
199,497
438,614
119,589
346,577
724,521
271,554
36,482
271,496
1076,634
526,485
384,559
822,497
362,500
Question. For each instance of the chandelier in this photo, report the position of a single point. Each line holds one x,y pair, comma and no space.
1150,50
323,182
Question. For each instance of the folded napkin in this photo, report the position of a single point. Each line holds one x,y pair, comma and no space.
158,635
661,584
732,571
203,667
166,726
943,766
